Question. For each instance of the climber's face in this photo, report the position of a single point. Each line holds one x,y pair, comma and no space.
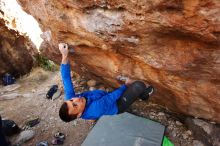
76,106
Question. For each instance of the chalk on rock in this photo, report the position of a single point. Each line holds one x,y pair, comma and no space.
91,88
121,78
178,123
91,83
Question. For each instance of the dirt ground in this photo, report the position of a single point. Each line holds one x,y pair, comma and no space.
30,102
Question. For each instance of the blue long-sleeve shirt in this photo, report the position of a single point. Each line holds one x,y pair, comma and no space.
98,102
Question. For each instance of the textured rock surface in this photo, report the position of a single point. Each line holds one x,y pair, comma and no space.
15,52
172,44
206,132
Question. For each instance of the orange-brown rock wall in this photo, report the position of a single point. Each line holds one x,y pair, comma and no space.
172,44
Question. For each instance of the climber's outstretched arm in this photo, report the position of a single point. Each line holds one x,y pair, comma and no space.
65,72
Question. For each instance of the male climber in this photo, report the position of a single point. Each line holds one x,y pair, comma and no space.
91,105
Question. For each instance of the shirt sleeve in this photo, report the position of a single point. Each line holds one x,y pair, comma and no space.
113,96
67,82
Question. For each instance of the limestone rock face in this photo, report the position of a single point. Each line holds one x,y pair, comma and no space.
15,52
172,44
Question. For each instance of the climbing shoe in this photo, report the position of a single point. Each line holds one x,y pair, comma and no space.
51,91
42,143
33,122
147,92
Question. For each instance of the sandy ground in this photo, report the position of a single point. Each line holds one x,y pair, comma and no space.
31,102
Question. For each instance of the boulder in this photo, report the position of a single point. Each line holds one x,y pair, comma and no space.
171,44
15,52
204,131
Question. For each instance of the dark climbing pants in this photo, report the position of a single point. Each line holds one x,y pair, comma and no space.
3,141
130,95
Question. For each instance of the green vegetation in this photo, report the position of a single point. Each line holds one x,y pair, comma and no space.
46,64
